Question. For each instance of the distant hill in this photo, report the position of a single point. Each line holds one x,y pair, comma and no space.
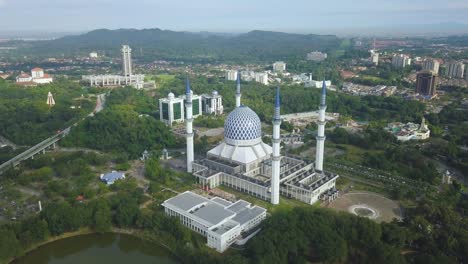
166,44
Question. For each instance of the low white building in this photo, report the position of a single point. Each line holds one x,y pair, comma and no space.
37,77
316,56
93,54
409,131
221,221
316,84
110,80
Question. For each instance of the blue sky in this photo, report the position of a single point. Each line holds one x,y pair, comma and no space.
226,16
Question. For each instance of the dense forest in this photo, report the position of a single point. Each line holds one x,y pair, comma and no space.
152,44
123,126
26,119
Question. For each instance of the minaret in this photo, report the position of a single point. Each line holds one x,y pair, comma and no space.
238,91
276,159
188,122
321,130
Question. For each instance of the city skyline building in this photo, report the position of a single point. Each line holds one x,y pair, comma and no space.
455,70
426,83
432,65
401,60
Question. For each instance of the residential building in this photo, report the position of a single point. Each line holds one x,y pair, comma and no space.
426,83
231,75
112,177
279,66
374,58
261,77
456,70
212,103
221,221
401,60
431,65
316,56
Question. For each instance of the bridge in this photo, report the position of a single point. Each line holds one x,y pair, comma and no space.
31,152
49,142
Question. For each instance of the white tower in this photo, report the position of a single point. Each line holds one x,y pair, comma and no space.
321,130
50,100
126,60
276,159
188,122
238,91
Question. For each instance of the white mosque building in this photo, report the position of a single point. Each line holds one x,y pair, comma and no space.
245,163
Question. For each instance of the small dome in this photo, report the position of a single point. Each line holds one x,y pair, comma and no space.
214,93
242,126
171,95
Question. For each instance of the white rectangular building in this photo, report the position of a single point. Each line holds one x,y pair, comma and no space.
212,103
231,75
455,70
221,221
316,56
261,77
279,66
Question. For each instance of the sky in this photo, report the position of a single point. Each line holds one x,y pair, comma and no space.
305,16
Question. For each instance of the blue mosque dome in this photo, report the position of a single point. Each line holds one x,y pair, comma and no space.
242,126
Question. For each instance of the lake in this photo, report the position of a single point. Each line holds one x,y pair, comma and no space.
99,249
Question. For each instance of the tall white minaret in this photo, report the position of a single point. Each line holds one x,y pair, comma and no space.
321,130
276,159
238,91
188,123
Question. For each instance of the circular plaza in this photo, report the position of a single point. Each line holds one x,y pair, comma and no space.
365,204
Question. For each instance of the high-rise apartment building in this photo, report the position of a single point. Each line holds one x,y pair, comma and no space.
261,77
279,66
431,65
126,60
231,75
401,60
426,83
455,70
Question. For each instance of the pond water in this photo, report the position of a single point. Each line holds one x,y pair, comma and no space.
99,248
